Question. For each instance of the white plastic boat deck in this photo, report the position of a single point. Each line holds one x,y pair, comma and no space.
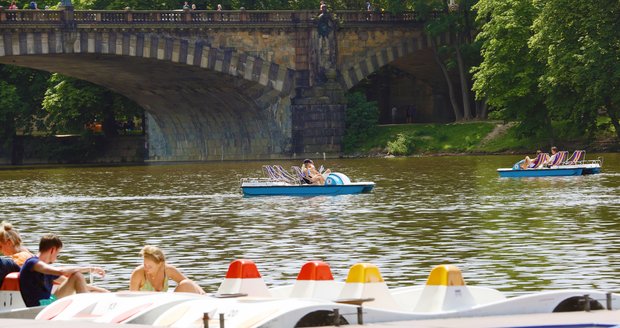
602,318
580,319
29,323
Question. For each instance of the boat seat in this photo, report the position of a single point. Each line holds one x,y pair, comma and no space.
243,278
364,281
11,282
315,280
445,290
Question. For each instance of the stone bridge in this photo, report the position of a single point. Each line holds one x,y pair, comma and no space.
231,85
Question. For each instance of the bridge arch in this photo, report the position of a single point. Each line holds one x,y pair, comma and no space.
203,103
353,74
217,85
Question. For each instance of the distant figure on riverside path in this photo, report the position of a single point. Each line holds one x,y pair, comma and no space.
153,275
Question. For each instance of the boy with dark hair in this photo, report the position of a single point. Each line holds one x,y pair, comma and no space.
37,275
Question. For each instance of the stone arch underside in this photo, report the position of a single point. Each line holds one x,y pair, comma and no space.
351,75
195,113
203,103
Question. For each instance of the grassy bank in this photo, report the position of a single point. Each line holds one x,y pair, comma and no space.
471,137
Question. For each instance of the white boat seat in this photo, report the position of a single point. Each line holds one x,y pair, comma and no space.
243,278
446,291
364,281
315,280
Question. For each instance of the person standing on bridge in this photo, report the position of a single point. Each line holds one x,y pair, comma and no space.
33,5
13,6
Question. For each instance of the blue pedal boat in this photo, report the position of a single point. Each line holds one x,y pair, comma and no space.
568,168
335,184
541,172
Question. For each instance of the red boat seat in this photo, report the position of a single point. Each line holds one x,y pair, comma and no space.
11,281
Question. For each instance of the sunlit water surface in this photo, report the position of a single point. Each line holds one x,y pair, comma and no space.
516,235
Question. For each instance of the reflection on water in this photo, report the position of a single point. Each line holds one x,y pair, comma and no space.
511,234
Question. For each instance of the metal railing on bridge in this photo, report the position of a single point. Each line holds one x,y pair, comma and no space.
198,17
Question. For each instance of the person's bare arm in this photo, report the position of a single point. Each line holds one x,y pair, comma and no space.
136,279
69,270
45,268
174,273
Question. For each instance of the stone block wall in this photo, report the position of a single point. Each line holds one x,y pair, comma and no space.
318,128
76,149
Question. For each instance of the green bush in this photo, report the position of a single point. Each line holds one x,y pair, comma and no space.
403,145
75,149
362,117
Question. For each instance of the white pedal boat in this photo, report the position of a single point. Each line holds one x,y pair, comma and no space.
315,299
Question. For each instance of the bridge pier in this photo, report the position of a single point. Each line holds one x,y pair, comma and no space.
319,119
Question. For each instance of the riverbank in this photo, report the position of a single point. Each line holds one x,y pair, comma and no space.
467,138
73,150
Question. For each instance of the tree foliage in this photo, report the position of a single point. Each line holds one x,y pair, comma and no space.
456,57
547,60
508,74
21,92
72,104
581,54
361,121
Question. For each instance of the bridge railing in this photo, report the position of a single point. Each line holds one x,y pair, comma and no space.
31,16
200,16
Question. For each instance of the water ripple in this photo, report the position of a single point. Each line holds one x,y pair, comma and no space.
513,234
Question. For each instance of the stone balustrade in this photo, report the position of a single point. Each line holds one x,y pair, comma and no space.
198,17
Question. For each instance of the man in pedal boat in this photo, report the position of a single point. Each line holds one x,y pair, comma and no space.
37,275
312,175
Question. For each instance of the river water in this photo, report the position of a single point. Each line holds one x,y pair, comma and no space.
516,235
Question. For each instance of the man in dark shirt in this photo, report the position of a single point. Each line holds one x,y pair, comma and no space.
37,275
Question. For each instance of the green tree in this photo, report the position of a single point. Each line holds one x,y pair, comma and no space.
459,55
581,53
22,91
508,75
361,120
73,104
11,107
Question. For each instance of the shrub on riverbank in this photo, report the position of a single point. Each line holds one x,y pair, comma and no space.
361,120
406,139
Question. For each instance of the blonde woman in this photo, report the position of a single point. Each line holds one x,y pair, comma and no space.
11,244
154,273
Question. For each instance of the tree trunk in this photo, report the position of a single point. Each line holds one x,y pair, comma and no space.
455,107
464,85
109,126
612,112
482,109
